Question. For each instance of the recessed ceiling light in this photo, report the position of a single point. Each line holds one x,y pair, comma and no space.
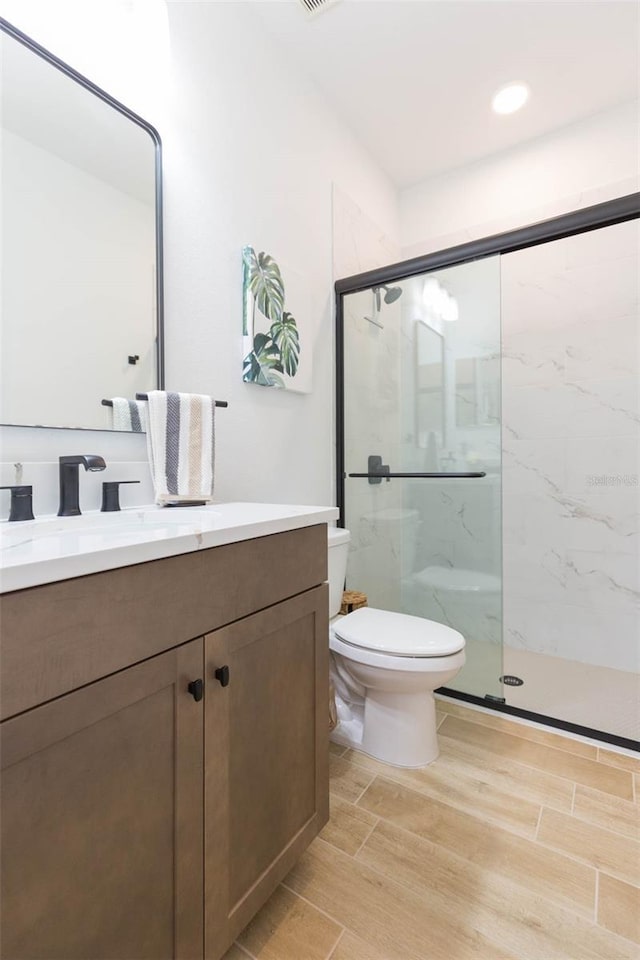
510,98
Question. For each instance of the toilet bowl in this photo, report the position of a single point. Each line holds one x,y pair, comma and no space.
385,667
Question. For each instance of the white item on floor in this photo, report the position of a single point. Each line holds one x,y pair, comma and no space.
385,667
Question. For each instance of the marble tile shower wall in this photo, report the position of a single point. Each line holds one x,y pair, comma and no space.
571,423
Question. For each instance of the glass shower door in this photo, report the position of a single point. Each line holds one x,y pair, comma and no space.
422,455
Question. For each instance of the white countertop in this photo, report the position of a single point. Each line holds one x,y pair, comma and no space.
48,549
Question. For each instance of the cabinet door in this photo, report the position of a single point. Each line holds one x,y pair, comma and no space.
102,819
266,756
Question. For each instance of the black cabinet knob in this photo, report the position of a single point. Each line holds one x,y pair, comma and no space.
222,675
196,689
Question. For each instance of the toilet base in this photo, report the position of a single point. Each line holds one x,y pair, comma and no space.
395,728
385,703
400,728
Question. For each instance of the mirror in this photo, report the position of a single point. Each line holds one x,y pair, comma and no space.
81,258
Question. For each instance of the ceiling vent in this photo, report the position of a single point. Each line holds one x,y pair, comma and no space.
314,7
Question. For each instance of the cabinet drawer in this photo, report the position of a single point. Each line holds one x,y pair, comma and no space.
60,636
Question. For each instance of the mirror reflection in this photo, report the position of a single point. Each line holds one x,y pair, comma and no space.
457,361
79,266
430,395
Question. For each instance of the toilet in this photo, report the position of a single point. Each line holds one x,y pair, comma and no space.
385,667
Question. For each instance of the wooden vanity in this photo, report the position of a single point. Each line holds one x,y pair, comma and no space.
140,822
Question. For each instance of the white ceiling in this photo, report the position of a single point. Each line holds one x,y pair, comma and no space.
413,79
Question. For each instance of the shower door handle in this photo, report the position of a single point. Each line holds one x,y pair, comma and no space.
379,477
379,471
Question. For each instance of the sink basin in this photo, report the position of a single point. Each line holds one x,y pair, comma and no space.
56,548
108,525
48,537
138,524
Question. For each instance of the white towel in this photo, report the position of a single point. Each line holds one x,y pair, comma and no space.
128,415
181,446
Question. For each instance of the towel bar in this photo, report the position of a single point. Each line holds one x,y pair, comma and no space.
143,396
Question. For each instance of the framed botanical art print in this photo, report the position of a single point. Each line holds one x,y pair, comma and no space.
276,334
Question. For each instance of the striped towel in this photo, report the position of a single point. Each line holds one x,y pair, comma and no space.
128,415
180,442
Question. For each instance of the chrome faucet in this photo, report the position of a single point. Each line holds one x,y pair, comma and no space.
70,483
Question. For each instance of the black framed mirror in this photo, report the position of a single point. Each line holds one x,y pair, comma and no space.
82,283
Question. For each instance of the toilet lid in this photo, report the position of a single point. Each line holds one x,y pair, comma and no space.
398,634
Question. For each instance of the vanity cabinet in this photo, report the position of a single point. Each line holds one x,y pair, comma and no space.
137,820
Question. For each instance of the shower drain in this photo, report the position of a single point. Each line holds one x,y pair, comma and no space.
511,681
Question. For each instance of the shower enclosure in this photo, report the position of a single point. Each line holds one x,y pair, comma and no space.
488,420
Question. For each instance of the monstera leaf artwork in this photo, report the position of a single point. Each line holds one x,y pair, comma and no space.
263,364
284,333
273,355
265,283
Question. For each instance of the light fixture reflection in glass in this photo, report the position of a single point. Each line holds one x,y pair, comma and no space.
510,98
438,302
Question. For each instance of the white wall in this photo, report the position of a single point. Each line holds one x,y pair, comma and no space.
250,154
251,157
587,162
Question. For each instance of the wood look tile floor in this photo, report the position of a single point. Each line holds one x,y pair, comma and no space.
517,843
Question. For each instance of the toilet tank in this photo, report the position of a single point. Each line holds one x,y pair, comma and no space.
338,542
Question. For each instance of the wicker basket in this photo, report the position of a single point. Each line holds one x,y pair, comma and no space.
353,600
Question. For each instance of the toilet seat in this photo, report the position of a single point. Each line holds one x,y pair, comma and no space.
397,634
350,637
389,661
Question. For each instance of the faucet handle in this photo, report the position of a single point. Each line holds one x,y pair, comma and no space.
111,495
21,502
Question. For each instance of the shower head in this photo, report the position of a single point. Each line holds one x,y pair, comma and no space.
392,294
